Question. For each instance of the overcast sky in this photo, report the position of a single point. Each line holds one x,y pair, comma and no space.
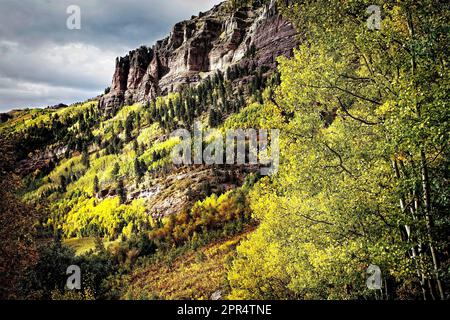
42,62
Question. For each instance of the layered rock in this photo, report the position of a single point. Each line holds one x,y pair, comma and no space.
195,48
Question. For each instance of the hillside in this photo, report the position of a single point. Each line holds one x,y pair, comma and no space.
336,186
103,168
68,148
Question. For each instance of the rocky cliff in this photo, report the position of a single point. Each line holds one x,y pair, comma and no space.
214,40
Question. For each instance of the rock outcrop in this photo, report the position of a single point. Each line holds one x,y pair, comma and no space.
214,40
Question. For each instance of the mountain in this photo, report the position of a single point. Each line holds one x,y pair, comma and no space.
103,168
208,68
358,205
214,40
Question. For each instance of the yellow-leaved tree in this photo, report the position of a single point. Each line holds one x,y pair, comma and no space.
364,151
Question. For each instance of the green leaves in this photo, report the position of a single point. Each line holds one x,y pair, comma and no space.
361,101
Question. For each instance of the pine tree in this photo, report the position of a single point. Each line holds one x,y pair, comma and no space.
85,159
138,168
116,169
138,121
96,185
63,182
212,118
121,191
129,127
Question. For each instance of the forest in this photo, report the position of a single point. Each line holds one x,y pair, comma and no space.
363,177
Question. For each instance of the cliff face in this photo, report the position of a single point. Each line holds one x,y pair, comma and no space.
214,40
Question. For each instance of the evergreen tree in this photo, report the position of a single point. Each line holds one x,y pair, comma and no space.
129,126
116,169
96,185
138,168
121,191
85,159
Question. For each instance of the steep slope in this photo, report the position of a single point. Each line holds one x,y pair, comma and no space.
103,169
193,275
82,159
214,40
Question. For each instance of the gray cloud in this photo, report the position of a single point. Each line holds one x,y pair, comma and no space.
44,63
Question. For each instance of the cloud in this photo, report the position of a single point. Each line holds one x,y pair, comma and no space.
42,62
76,65
23,94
